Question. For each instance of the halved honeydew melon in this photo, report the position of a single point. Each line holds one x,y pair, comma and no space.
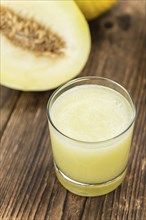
43,43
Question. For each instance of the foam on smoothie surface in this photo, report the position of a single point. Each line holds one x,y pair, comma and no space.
91,113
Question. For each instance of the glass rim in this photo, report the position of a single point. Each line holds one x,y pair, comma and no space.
79,79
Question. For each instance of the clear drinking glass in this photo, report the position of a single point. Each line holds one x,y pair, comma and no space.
90,168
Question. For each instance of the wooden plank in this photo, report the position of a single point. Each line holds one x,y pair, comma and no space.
21,142
8,100
28,186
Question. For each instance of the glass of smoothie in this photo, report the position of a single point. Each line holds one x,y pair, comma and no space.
91,121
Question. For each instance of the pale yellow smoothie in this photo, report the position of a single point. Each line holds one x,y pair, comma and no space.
88,118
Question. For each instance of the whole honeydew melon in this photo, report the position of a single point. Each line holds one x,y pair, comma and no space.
43,43
93,8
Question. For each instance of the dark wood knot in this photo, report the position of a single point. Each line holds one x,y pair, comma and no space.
108,24
124,22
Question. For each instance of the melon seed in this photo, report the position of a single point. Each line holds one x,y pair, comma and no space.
29,34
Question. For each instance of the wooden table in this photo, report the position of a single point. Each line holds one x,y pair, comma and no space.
28,186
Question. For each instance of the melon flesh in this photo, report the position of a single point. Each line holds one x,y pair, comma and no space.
28,70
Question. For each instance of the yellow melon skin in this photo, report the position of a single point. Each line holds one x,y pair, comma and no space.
23,70
93,8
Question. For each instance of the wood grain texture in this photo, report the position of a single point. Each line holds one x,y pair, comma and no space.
28,186
8,99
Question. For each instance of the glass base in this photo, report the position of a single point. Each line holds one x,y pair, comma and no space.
83,189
